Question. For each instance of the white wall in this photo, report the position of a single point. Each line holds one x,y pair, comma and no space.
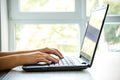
0,25
4,25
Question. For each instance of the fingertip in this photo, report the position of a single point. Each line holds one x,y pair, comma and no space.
49,62
61,56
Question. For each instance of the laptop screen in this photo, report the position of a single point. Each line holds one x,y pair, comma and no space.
92,34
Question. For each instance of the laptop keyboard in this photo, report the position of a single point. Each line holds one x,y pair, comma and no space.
67,61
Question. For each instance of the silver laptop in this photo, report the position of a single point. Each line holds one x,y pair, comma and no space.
87,51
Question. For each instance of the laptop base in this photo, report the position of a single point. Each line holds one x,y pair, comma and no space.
46,69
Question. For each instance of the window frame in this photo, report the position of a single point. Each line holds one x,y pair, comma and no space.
80,17
4,26
15,17
110,19
15,14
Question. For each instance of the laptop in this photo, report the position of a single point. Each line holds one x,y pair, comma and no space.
87,51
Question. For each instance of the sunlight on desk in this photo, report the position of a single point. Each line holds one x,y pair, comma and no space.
106,66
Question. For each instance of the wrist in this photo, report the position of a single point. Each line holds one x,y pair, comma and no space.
21,59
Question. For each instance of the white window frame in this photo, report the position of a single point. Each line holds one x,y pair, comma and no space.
4,25
16,17
69,17
15,14
110,19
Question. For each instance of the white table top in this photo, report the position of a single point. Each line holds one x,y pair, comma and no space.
106,66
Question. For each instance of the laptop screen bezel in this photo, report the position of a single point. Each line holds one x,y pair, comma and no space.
83,54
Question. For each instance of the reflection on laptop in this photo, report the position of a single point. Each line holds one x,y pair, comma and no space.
87,51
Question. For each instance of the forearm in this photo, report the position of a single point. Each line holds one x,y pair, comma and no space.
22,52
11,61
16,52
8,62
28,57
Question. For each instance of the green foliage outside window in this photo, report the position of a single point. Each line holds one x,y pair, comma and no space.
112,35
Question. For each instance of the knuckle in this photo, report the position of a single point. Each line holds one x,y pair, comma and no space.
46,55
37,53
46,48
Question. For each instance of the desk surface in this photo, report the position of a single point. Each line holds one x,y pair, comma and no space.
18,74
3,74
106,66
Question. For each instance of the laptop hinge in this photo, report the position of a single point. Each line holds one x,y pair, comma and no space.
86,60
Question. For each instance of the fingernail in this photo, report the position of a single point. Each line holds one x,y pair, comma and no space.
50,62
62,57
56,61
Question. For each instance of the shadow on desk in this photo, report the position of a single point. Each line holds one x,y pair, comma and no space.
18,74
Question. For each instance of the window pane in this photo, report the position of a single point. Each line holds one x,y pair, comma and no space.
112,36
114,6
90,5
113,10
65,37
47,5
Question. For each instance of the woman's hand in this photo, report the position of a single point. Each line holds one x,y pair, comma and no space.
42,55
13,59
51,51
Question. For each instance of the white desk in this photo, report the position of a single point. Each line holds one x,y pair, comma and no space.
19,74
106,66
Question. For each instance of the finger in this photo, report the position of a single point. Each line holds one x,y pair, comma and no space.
45,60
60,54
57,53
51,58
52,51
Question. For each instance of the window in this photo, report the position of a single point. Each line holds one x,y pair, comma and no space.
112,36
38,23
111,30
43,9
65,37
113,10
29,19
47,5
